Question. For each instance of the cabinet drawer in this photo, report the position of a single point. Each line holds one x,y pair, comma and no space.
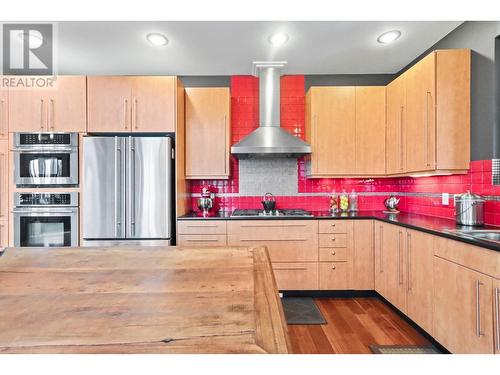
296,276
333,276
190,240
201,227
276,228
333,226
296,248
338,254
332,240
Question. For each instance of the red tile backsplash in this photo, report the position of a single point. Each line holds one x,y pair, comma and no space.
418,194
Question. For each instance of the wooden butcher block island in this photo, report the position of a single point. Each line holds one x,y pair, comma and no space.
140,300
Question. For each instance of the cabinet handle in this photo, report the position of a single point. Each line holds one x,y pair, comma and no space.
51,114
272,226
400,282
478,309
333,267
333,238
290,268
408,245
333,225
428,128
126,113
1,117
381,240
333,253
497,314
136,118
203,240
41,114
271,240
202,226
401,137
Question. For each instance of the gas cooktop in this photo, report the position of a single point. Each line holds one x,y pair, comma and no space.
275,213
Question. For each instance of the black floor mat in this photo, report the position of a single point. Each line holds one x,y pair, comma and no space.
301,310
404,349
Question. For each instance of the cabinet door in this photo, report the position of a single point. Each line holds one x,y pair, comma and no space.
496,314
153,104
420,254
334,276
66,105
28,110
462,308
4,110
4,229
395,152
393,241
380,276
361,275
296,276
370,130
207,132
109,104
4,178
420,115
332,130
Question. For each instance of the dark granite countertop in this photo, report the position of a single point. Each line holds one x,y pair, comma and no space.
429,224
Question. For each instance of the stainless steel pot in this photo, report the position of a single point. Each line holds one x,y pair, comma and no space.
469,209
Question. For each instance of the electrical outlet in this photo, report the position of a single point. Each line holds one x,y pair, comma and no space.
445,199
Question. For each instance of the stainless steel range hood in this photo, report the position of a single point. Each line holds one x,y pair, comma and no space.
269,140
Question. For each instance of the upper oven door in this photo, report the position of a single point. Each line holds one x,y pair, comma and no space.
45,227
57,166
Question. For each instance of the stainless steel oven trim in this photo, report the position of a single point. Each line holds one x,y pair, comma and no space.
73,197
17,141
46,212
27,181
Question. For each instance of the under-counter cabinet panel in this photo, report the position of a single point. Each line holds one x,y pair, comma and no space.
4,180
370,131
361,275
131,104
496,313
462,308
4,230
330,129
201,240
333,276
208,132
56,109
420,286
380,272
296,276
4,113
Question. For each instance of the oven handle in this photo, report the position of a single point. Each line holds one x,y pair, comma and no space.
45,150
45,210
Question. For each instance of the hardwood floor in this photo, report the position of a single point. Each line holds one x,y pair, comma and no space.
353,325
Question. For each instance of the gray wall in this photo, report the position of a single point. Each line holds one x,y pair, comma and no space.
348,80
479,36
206,81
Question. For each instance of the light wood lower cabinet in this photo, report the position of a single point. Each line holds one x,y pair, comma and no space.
4,179
4,230
199,227
420,285
496,313
380,272
333,276
4,113
462,308
189,240
361,274
296,276
394,265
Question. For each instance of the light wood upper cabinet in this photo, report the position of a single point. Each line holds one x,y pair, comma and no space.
420,115
4,179
420,255
396,114
370,130
153,104
131,104
362,257
330,129
462,308
208,124
394,248
56,109
109,104
4,113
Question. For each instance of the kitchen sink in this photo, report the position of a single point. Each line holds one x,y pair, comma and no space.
480,234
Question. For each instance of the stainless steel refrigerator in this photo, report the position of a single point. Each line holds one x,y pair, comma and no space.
127,190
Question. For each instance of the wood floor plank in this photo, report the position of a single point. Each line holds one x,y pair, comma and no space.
353,324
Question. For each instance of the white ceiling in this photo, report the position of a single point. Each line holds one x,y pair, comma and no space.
227,48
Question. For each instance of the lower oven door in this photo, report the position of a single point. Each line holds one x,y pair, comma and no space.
45,227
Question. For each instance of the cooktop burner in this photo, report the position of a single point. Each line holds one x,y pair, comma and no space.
275,213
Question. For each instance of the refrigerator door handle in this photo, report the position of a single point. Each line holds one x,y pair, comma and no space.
118,153
131,186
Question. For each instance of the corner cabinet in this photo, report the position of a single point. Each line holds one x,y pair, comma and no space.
56,109
131,104
208,132
346,129
4,113
395,109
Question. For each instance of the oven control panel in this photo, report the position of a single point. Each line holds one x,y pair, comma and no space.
46,199
26,139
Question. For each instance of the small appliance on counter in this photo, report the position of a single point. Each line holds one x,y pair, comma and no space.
469,209
391,204
269,202
206,204
295,213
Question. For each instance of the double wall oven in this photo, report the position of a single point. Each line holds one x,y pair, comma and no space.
45,159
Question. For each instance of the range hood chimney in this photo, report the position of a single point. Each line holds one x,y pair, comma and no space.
269,140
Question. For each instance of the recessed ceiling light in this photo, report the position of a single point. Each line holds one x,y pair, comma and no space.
278,39
389,36
157,39
34,38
